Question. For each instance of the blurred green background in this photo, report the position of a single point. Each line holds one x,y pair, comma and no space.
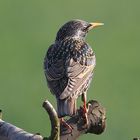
28,27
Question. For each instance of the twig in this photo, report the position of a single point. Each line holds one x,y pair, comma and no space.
55,125
0,114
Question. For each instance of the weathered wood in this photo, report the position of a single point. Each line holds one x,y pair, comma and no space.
96,125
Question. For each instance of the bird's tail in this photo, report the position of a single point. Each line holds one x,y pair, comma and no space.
66,107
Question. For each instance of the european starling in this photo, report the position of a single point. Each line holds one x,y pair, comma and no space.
69,65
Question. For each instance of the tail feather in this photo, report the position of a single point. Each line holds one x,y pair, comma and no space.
66,107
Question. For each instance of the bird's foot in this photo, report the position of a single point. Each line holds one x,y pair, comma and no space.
85,109
85,115
64,123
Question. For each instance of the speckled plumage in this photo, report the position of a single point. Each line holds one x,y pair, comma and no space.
69,65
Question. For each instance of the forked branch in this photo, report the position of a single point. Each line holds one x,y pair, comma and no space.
96,125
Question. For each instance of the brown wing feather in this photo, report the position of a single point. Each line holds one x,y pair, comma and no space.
78,76
55,72
66,77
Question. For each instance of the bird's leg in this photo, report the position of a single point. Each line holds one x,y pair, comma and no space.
85,109
63,122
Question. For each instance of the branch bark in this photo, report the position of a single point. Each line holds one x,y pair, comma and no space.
96,125
11,132
96,122
55,124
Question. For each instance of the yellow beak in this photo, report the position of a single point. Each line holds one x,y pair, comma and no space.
95,24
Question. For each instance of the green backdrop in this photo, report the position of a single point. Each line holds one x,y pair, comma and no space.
28,27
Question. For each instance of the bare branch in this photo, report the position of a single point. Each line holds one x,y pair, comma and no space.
55,125
96,125
11,132
0,114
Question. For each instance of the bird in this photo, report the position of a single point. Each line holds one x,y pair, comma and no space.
69,66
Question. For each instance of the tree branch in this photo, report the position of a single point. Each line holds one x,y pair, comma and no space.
96,125
11,132
55,124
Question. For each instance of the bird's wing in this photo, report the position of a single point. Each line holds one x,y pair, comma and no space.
54,66
67,76
54,70
79,71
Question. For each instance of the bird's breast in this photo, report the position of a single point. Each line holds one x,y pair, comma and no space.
83,54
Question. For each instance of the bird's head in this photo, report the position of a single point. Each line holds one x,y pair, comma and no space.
75,29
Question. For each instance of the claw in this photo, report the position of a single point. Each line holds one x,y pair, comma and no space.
63,122
85,108
85,111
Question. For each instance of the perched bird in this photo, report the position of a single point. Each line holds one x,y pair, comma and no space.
69,65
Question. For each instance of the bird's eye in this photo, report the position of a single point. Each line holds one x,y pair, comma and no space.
85,29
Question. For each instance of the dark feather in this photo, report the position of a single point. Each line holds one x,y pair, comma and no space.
68,69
